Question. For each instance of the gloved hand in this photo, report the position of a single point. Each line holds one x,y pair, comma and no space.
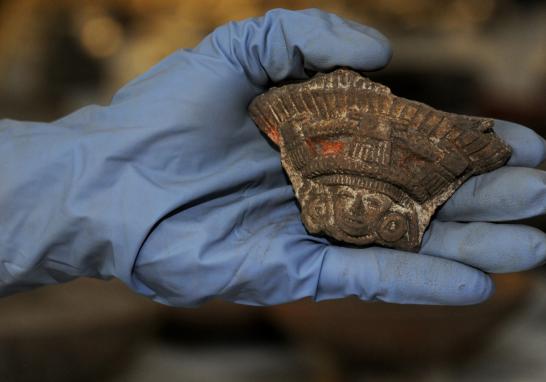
172,188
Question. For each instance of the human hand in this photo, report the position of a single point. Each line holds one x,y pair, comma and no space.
186,200
245,241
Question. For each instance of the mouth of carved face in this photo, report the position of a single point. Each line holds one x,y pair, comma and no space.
357,212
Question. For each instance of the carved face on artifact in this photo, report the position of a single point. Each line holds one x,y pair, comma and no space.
357,215
356,211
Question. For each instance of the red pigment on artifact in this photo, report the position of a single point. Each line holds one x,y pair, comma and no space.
331,147
274,135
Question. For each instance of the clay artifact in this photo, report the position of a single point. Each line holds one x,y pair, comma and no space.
368,167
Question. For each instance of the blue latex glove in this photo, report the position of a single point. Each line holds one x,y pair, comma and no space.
172,188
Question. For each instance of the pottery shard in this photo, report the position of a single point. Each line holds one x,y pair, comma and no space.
369,167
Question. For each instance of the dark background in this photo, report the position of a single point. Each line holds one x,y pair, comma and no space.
477,57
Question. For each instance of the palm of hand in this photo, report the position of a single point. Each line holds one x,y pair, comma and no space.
245,230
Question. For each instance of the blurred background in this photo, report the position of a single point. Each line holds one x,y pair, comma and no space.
477,57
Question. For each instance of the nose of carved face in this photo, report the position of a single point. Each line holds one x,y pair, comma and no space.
356,213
